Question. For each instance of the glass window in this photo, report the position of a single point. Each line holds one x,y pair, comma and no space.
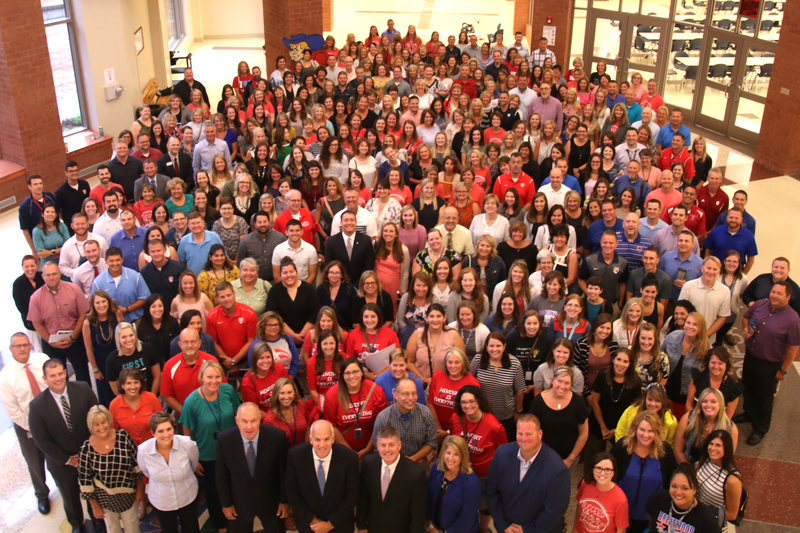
578,34
64,62
173,12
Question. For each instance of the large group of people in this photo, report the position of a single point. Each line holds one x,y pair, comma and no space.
398,286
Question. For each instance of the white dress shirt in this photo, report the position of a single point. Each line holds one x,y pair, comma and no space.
392,468
525,465
172,485
326,462
365,223
72,252
15,390
83,276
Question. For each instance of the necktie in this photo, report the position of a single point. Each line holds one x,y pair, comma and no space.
385,482
251,458
67,412
32,380
96,272
450,240
177,168
349,245
321,478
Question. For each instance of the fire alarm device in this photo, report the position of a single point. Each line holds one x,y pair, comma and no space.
549,20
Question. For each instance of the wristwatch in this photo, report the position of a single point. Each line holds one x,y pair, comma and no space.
784,372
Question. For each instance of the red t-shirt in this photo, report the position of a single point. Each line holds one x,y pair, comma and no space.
524,186
179,380
695,220
98,192
442,395
310,347
490,135
482,439
601,512
344,417
668,158
239,84
323,382
712,206
403,196
259,390
310,226
237,328
356,343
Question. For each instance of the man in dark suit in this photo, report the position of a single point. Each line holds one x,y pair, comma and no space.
394,490
58,425
353,250
158,181
322,483
250,469
176,164
528,485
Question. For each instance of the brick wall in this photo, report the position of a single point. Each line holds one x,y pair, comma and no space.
282,19
31,132
561,11
779,141
521,10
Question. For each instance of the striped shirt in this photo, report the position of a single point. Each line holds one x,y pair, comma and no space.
711,303
500,385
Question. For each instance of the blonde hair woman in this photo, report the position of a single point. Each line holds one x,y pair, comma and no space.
131,351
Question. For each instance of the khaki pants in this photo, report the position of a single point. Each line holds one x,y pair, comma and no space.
129,521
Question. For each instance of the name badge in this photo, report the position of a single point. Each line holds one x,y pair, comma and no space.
528,376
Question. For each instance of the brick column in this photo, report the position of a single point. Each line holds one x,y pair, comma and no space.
327,15
31,132
521,11
779,141
283,19
561,12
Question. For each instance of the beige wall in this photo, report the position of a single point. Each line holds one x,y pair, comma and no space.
219,20
105,40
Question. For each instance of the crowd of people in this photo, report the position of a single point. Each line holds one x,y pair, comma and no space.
398,286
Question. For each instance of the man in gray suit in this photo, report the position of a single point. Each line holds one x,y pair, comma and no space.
158,181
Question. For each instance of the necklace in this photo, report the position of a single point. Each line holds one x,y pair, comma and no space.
103,335
678,515
621,390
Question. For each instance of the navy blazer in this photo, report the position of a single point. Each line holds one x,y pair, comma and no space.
460,503
537,503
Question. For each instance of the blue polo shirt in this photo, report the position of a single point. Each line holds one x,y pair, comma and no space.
634,112
671,262
619,99
131,287
194,255
596,230
632,251
569,181
747,221
131,247
720,240
666,133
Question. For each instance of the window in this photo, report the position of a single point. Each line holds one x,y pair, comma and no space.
64,62
173,13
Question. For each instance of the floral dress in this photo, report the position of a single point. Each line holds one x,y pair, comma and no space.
231,236
207,282
426,262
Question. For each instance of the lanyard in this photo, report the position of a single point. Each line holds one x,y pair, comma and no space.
628,335
371,345
219,409
294,431
574,327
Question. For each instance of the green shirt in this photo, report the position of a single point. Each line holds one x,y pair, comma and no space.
205,418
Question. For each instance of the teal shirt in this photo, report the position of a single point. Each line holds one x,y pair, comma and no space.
187,206
205,419
54,239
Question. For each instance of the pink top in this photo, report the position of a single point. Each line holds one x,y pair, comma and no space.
445,342
414,240
182,307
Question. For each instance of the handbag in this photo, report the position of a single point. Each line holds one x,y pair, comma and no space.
743,499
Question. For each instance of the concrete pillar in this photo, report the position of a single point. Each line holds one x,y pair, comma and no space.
283,19
561,13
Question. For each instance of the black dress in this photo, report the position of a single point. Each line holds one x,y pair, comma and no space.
652,318
578,155
384,302
22,292
343,304
296,313
614,399
428,216
729,388
103,344
510,254
160,338
560,427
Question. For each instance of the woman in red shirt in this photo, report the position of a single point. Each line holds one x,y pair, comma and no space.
444,387
323,371
243,77
352,405
326,319
370,336
258,382
483,433
288,412
602,505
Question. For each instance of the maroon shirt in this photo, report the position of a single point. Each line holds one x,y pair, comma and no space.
59,310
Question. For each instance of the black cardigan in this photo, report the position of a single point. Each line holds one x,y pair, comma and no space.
668,462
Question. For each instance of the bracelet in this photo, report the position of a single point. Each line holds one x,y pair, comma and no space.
95,370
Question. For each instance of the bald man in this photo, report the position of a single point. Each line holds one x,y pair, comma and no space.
251,469
322,482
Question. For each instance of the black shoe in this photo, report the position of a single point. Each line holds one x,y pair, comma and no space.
741,418
99,525
44,505
755,438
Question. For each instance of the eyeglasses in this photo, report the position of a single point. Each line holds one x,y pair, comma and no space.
406,394
606,471
16,346
273,325
468,402
352,374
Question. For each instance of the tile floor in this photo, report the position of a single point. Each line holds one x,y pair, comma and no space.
769,469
